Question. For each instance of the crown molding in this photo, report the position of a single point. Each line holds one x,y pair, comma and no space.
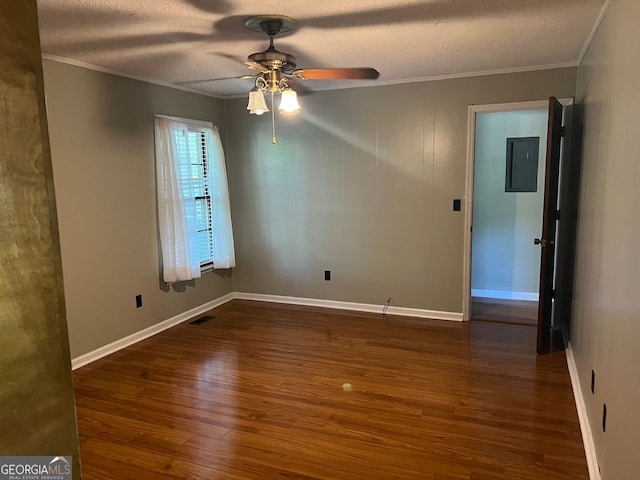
594,30
111,71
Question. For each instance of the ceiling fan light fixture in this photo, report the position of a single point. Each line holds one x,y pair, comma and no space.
257,104
289,102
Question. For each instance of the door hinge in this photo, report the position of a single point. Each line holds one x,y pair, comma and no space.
557,214
562,131
553,293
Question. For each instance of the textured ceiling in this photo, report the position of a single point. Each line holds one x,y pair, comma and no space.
183,41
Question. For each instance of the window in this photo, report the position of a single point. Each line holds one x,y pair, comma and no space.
192,146
193,199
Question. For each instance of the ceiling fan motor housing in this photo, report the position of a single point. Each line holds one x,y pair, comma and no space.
274,60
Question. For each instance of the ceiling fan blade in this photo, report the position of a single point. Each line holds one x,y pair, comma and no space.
337,74
251,65
256,66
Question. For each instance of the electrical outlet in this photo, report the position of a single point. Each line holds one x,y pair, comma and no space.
327,275
604,417
593,381
138,301
457,205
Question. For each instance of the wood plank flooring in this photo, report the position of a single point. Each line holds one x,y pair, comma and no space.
519,312
257,393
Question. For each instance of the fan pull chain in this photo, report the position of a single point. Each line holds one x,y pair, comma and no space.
274,140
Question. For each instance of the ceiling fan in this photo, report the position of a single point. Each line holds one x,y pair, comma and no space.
272,60
278,69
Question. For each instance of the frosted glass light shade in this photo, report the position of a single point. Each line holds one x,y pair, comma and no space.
257,105
289,102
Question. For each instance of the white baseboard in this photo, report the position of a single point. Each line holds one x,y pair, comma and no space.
359,307
98,353
504,294
587,436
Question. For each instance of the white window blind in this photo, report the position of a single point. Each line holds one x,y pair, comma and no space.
192,147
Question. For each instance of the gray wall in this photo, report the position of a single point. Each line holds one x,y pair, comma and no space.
362,184
101,129
504,258
605,333
37,415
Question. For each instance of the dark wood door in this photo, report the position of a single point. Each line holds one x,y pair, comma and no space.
568,198
547,341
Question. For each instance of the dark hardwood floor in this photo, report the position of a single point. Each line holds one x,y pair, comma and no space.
518,312
257,393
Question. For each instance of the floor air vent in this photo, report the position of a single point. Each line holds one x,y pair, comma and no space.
201,320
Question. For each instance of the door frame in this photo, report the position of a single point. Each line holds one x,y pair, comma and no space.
468,198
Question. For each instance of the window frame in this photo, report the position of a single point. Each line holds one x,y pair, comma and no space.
203,155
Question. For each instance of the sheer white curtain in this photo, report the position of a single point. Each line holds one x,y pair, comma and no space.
177,206
224,255
179,250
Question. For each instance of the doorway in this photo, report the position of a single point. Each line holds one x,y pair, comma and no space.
509,170
512,305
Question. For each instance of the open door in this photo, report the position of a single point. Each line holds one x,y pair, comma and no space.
548,339
568,200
